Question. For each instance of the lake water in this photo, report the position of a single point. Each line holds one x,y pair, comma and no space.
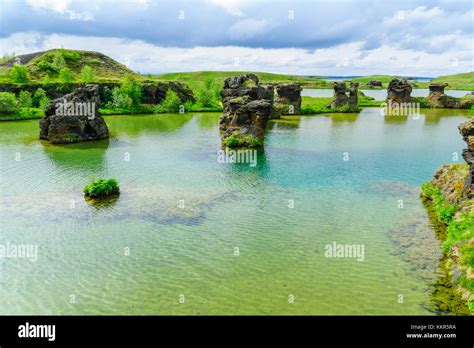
190,235
379,94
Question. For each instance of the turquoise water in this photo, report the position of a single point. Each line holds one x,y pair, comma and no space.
168,244
379,94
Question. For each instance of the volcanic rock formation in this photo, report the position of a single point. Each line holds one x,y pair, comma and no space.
74,118
467,131
398,91
437,98
247,108
374,83
342,100
289,98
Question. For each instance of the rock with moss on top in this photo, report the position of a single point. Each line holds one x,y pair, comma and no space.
101,188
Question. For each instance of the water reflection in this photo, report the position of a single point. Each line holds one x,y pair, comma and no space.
136,125
86,156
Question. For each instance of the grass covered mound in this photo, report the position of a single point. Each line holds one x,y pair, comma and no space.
102,188
62,64
444,195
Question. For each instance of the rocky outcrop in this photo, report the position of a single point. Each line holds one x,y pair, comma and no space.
152,92
74,118
437,98
353,95
340,97
247,108
467,131
342,100
374,84
467,101
155,92
398,92
289,98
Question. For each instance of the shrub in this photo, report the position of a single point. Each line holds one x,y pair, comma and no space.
119,100
208,95
133,89
19,74
24,99
87,74
171,103
40,99
8,103
65,76
99,187
58,62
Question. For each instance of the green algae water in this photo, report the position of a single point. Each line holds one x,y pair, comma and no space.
190,235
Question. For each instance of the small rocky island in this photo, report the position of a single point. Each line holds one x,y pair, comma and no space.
398,92
288,99
74,118
344,101
247,108
437,98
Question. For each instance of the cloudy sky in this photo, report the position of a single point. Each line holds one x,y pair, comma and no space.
331,37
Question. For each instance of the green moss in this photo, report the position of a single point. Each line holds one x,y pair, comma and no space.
459,233
242,141
98,188
443,209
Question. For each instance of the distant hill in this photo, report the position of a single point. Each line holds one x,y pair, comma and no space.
219,76
458,81
47,63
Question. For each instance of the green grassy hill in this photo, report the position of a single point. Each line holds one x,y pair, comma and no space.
47,64
458,81
219,76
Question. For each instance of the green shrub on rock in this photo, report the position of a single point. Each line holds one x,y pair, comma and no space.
99,188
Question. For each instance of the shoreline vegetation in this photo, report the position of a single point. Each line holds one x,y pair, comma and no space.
444,198
28,83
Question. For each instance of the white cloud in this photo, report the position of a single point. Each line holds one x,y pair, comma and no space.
231,6
54,5
346,59
249,28
61,7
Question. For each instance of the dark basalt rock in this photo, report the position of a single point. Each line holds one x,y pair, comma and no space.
289,98
398,91
340,97
155,92
74,118
247,108
374,83
152,92
342,100
353,95
467,131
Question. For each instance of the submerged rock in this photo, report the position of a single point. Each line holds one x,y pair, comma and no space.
289,98
74,118
467,131
398,91
247,108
